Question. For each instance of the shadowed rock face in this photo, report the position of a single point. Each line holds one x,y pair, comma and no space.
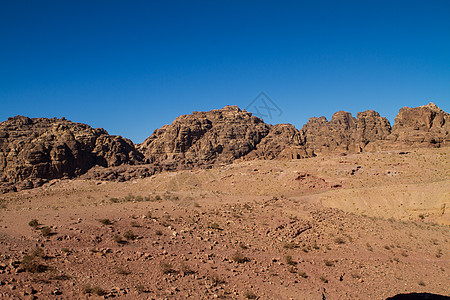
283,141
34,150
205,138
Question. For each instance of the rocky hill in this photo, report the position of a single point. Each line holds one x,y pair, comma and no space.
205,138
423,126
33,151
344,133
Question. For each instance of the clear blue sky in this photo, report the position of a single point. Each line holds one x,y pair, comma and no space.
133,66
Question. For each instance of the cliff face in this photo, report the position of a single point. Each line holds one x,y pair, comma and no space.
205,138
35,150
423,126
344,133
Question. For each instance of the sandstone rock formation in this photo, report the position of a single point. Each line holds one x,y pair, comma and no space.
35,150
283,141
423,126
205,138
344,133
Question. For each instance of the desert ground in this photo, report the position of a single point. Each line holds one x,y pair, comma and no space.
355,226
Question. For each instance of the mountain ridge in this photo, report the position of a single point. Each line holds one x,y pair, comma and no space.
34,151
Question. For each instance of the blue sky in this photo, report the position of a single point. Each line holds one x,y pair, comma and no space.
133,66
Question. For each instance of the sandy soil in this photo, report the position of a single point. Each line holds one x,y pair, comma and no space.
362,226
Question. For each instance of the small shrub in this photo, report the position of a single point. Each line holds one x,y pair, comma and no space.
243,246
303,274
46,231
215,226
105,221
37,252
439,253
250,295
186,269
33,223
158,198
129,235
114,200
239,257
167,268
404,254
158,232
141,288
96,290
289,260
216,280
135,224
339,240
31,265
369,247
329,263
387,247
118,239
290,245
122,271
66,250
421,283
323,279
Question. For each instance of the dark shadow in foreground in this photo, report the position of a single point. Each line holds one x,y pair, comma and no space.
418,296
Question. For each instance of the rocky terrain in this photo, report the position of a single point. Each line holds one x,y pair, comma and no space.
359,226
220,204
33,151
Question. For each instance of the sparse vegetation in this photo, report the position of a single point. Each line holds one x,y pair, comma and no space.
119,239
290,245
186,269
33,223
250,295
96,290
239,257
46,231
105,221
129,235
339,240
122,271
302,274
166,268
215,279
329,263
215,226
30,262
289,260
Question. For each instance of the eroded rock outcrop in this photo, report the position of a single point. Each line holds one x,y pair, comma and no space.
284,141
423,126
35,150
205,138
344,133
